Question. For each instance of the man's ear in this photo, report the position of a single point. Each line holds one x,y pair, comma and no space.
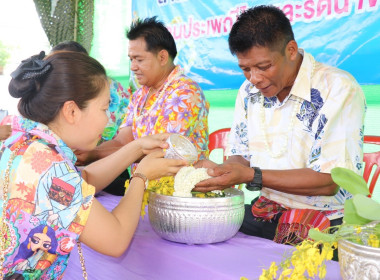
291,50
70,111
163,57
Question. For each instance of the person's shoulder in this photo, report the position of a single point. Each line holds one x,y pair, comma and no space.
334,74
43,149
188,84
185,80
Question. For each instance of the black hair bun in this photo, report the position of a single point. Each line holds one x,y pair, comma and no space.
27,75
20,88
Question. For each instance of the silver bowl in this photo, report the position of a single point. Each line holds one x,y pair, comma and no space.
358,262
194,220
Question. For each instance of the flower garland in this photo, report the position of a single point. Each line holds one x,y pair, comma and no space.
284,146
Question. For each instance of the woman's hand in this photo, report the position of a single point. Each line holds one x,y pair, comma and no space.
155,166
153,143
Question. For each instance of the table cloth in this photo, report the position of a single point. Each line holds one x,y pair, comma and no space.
149,257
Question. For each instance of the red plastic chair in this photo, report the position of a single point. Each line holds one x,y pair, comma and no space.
218,140
372,160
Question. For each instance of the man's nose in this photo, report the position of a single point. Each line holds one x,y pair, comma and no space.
133,66
255,77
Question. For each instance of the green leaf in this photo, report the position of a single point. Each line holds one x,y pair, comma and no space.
366,207
320,236
349,180
351,217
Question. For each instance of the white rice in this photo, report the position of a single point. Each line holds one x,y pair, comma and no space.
186,178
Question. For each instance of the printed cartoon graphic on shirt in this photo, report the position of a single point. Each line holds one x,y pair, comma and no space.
41,240
59,195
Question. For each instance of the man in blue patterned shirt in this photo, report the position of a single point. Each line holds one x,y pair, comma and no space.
295,119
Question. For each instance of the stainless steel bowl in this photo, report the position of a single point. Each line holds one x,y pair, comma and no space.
194,220
358,262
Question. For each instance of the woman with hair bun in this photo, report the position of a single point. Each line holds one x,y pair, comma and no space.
47,205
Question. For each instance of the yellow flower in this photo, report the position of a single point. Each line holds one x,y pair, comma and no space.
265,275
273,270
358,229
373,241
322,272
164,185
307,261
286,272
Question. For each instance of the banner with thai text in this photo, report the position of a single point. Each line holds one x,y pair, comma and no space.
342,33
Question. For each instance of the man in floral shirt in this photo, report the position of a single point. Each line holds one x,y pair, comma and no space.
168,100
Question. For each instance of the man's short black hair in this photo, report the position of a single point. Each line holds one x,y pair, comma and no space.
156,35
69,46
260,26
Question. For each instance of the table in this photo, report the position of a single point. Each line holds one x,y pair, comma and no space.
150,257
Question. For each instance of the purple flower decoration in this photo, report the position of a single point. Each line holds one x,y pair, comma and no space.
176,102
173,128
184,116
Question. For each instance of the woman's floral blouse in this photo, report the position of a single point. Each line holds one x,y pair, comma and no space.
48,202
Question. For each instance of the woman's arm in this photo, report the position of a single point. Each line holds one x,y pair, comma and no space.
111,233
102,172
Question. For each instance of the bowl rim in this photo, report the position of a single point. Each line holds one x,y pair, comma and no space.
351,244
236,193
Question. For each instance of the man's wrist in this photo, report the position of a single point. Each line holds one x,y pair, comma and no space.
250,175
257,182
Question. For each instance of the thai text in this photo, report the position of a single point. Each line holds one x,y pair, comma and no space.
296,11
214,26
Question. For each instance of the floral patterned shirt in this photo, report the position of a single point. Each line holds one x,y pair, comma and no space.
117,110
48,202
181,107
318,126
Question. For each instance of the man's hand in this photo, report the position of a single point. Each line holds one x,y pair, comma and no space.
205,163
225,175
5,131
83,157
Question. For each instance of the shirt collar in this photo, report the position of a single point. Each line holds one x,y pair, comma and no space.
302,83
177,71
44,132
